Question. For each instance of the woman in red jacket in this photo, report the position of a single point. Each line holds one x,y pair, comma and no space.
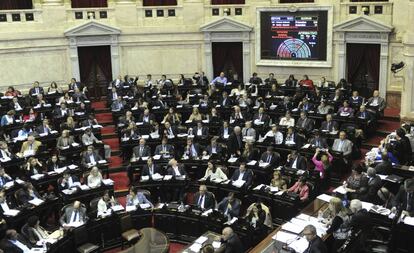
301,188
306,82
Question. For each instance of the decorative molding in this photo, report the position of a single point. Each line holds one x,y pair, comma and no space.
362,24
92,28
225,25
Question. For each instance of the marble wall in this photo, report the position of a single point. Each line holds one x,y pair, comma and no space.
39,50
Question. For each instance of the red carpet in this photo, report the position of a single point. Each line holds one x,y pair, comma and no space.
99,105
374,140
120,179
174,248
387,125
105,117
108,130
113,143
115,161
392,112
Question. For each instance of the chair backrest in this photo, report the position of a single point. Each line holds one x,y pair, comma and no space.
16,196
93,205
80,235
24,231
145,192
126,223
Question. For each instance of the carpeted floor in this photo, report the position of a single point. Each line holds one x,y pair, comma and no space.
174,248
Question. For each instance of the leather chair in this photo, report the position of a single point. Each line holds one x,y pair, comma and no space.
128,232
81,239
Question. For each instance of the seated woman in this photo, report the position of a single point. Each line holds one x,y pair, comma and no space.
53,88
323,164
8,118
65,140
33,167
256,216
345,110
70,124
27,193
36,233
30,116
287,120
136,198
386,197
131,132
249,152
65,99
214,173
12,92
195,115
214,117
300,188
54,163
356,184
306,82
105,203
95,178
277,181
172,117
323,108
337,219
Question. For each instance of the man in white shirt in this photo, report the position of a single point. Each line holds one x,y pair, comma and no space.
274,135
74,214
248,131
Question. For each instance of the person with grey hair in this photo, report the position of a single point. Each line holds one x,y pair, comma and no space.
231,241
316,244
234,143
405,198
386,197
372,187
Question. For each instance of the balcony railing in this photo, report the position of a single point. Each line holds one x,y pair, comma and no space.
103,13
20,16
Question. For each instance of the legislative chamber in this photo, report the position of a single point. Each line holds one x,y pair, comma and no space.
206,126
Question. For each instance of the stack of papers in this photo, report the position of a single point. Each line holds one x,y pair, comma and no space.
37,176
107,181
216,244
232,160
284,237
238,183
341,189
409,221
257,188
201,240
11,212
299,245
118,208
195,247
84,187
72,167
167,177
36,201
325,197
69,191
294,228
130,208
157,176
252,163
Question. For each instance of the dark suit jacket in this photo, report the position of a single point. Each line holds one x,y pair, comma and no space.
196,146
233,244
204,132
86,159
371,191
332,125
170,170
233,144
322,142
403,150
384,168
9,247
32,91
72,86
275,158
150,117
248,176
307,122
317,246
146,151
401,200
235,207
209,201
219,149
23,196
41,129
74,179
50,166
169,148
300,163
146,170
265,118
225,102
173,129
230,131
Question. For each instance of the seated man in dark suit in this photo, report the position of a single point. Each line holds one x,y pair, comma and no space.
229,206
296,161
45,128
405,198
231,241
318,141
118,105
316,244
304,122
146,117
192,150
90,156
204,199
270,157
374,184
74,214
329,125
385,166
150,168
36,89
5,202
142,150
225,130
175,169
225,101
68,181
164,149
243,174
364,114
200,131
14,243
261,117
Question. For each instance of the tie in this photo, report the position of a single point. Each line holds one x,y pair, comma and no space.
317,143
269,157
75,217
31,147
164,149
328,126
1,181
200,200
140,151
151,170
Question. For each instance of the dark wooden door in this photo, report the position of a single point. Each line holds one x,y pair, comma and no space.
95,70
228,58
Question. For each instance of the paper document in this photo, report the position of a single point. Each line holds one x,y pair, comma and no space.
325,197
238,183
201,239
341,189
107,181
252,163
130,208
144,206
36,201
284,237
232,159
299,245
216,244
11,212
118,208
294,228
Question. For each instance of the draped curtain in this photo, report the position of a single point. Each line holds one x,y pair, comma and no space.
15,4
367,54
159,2
89,3
90,57
228,56
103,60
227,1
86,61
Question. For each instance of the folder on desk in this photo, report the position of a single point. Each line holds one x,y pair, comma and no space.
108,181
232,160
238,183
11,212
37,176
36,201
84,187
9,184
168,177
130,208
252,163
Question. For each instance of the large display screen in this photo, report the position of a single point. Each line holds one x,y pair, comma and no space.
299,36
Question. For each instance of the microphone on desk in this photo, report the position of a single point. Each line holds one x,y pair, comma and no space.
288,242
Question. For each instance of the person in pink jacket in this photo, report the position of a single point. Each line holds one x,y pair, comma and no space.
300,188
322,164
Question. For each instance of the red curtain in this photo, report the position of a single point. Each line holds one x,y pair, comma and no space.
228,56
15,4
159,2
103,60
355,56
227,1
372,60
367,54
89,3
89,57
86,61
